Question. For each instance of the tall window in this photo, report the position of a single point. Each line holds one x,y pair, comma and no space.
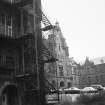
69,84
62,84
89,80
9,25
54,83
59,47
97,79
74,70
61,70
5,24
102,77
10,61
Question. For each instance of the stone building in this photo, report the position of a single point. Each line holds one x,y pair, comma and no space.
91,73
87,72
75,73
100,74
59,73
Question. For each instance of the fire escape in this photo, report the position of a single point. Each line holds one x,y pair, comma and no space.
51,59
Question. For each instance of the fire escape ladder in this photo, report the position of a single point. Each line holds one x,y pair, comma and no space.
48,26
46,22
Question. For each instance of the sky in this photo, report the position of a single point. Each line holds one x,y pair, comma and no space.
82,24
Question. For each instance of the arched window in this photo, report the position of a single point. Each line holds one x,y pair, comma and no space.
62,84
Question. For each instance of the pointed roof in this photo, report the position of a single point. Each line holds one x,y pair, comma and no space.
88,62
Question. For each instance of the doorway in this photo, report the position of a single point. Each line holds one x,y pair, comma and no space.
9,95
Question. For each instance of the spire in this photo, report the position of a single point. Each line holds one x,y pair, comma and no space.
87,60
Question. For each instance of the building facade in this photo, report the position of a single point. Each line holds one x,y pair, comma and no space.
75,73
91,73
59,73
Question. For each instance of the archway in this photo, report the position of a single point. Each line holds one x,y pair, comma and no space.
9,95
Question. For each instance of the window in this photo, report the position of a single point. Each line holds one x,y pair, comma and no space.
69,84
8,20
2,23
59,47
53,83
74,70
97,79
51,47
102,77
10,61
89,79
61,70
2,18
62,84
6,24
4,98
0,59
71,78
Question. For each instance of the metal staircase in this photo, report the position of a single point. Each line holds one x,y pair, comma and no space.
48,26
46,22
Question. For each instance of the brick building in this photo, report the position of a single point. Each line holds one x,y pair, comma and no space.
21,69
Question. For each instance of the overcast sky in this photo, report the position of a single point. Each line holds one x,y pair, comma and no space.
82,23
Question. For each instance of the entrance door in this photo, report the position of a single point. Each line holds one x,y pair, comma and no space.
4,99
